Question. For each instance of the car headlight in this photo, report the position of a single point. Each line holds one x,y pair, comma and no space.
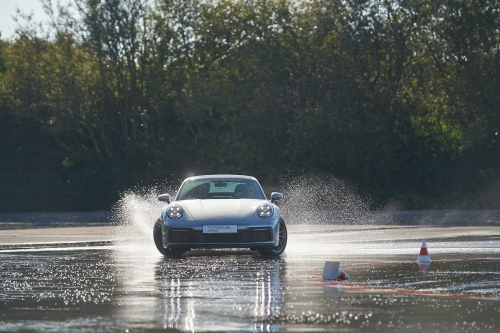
265,211
175,212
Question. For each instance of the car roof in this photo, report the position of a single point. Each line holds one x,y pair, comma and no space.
225,176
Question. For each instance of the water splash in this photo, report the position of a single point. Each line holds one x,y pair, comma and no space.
138,209
321,199
315,199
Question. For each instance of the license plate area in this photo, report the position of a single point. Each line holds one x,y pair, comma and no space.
220,229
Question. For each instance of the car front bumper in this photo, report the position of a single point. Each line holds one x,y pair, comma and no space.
249,234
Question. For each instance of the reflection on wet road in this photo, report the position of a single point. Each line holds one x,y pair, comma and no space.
123,286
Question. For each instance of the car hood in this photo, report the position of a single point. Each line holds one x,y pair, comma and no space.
233,209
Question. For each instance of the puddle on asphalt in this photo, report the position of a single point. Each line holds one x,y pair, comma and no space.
459,277
126,286
132,288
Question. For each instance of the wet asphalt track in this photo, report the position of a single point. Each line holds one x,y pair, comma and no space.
125,285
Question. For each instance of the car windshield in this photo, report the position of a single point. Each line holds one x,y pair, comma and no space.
218,188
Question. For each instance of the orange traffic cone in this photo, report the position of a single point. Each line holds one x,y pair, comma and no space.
424,257
332,271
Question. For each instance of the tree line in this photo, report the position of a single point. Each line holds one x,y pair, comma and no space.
400,98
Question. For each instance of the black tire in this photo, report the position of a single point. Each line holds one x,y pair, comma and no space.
158,238
278,249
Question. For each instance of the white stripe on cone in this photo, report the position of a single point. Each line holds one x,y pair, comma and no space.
424,257
332,271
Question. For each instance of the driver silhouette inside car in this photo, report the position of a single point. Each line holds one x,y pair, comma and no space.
200,192
244,191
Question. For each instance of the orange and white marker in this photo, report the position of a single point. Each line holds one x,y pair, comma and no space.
423,257
332,271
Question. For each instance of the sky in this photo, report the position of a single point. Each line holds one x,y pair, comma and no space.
8,9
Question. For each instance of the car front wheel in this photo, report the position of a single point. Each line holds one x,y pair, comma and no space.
158,239
282,239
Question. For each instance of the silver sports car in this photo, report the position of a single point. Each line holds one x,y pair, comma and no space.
220,211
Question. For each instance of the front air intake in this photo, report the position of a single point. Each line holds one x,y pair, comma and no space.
251,235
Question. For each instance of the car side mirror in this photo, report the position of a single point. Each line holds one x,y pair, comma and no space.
164,197
275,196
